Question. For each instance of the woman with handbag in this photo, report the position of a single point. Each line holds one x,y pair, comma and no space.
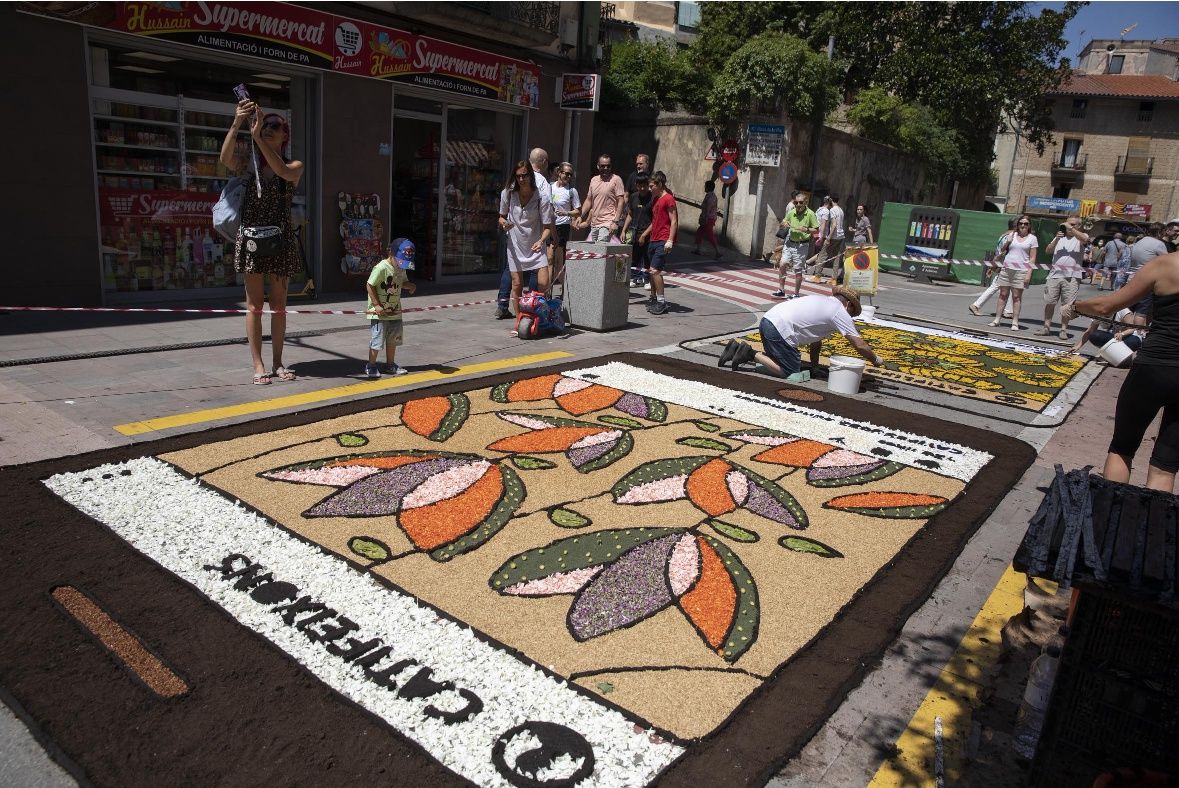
265,241
525,219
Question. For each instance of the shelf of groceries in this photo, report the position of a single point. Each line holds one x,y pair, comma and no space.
158,173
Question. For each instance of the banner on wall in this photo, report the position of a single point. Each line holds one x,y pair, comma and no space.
861,268
280,32
1124,210
1053,204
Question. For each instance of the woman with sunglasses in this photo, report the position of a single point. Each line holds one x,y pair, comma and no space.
524,218
567,207
278,177
1019,258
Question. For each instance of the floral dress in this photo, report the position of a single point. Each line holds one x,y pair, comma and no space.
272,209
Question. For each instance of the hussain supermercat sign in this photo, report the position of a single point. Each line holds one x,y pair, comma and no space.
304,36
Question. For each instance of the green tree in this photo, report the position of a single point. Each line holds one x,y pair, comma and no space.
773,72
909,126
649,74
726,26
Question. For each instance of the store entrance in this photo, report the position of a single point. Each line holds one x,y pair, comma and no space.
417,137
449,165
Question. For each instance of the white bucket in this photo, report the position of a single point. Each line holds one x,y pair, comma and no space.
867,312
1115,352
844,373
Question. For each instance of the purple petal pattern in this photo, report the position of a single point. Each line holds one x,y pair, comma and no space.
380,494
761,502
630,589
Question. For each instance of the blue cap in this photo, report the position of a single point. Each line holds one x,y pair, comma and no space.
404,253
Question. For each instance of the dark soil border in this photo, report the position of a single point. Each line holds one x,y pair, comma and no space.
255,716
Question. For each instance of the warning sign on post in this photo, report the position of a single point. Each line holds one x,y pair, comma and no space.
763,147
861,268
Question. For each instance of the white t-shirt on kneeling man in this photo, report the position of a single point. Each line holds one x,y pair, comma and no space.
813,318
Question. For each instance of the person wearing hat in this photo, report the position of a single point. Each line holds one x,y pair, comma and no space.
787,327
384,285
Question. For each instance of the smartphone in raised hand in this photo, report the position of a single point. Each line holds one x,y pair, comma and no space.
241,93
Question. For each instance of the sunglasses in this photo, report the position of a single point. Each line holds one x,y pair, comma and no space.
521,175
1023,224
273,125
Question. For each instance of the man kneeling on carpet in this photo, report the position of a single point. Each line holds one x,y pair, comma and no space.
802,321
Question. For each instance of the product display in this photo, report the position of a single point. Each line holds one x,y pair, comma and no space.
159,175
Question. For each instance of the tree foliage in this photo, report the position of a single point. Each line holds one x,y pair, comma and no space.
771,72
909,126
971,65
649,74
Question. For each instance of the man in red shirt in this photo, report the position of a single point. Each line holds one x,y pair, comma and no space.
660,238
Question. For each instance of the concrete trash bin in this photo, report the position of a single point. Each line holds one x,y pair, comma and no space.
597,289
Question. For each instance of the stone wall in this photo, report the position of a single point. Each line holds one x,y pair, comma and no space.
855,169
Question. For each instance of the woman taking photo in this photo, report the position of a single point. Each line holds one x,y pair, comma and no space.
265,241
1019,258
1152,383
525,219
567,207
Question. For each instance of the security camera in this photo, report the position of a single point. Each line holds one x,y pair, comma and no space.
1110,47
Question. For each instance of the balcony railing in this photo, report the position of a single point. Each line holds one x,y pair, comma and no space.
609,11
543,16
1135,166
1074,163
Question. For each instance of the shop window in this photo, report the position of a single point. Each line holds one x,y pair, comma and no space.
1145,111
1116,63
1079,108
159,123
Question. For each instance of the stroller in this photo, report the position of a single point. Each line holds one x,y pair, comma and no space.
539,316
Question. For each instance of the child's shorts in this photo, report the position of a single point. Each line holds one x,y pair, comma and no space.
385,332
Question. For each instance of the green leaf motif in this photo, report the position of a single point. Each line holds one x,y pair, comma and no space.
567,518
370,548
656,471
500,392
351,440
883,472
604,687
514,494
743,633
800,544
624,446
706,426
656,409
734,532
704,443
757,433
531,463
621,421
460,410
571,553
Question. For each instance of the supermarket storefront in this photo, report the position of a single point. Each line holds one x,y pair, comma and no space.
403,134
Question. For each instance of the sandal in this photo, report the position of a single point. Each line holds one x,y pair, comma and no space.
282,373
262,379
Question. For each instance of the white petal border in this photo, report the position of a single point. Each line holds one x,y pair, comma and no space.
185,526
918,451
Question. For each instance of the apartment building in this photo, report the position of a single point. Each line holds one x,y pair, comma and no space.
1115,159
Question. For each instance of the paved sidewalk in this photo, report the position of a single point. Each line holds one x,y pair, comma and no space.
60,407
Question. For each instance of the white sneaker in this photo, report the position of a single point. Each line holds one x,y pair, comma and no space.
393,369
647,286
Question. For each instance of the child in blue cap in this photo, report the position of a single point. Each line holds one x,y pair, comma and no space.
385,283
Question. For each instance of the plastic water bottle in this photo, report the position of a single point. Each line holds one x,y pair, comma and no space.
1030,720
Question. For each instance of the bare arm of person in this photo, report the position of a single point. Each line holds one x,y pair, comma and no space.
229,145
1134,291
870,236
290,171
375,298
865,350
673,213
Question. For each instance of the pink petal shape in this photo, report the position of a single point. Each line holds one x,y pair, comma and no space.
560,583
606,436
445,485
522,420
683,569
738,484
336,476
841,458
568,386
670,489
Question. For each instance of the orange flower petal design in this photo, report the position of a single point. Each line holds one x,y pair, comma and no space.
796,454
707,488
424,416
382,462
445,521
883,500
589,399
712,602
546,440
532,389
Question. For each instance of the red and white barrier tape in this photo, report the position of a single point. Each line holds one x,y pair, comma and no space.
954,261
205,311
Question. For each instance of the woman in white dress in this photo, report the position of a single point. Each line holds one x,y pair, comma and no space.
525,219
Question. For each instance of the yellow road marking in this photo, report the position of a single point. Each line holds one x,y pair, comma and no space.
336,392
955,694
